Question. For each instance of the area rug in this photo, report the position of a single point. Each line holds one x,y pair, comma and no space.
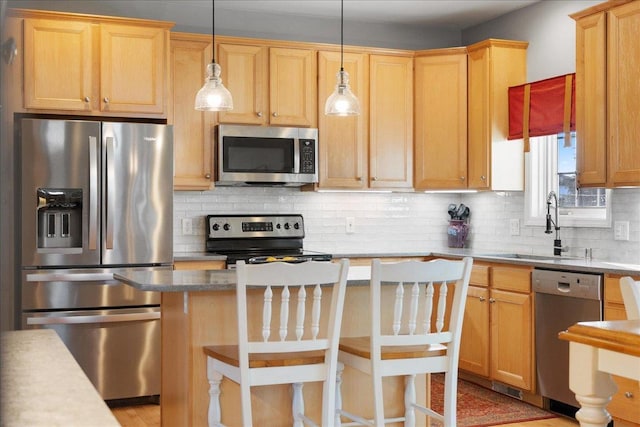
481,407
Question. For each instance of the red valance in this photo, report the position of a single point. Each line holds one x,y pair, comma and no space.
540,108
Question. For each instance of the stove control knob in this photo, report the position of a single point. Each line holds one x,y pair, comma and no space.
296,226
215,227
226,227
286,226
278,226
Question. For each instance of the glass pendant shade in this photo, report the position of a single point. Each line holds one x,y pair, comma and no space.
342,102
213,96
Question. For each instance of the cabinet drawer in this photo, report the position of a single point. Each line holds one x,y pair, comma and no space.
511,278
479,275
199,265
626,402
612,292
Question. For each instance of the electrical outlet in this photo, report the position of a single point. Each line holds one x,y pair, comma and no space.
187,226
350,225
514,227
621,230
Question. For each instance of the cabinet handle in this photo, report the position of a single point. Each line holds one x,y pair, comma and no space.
482,299
275,114
106,99
359,178
373,178
87,99
628,395
259,114
492,300
484,178
462,178
207,176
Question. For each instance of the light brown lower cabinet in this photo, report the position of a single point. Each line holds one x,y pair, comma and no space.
497,333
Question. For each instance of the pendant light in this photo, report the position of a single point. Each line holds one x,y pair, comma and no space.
213,96
342,102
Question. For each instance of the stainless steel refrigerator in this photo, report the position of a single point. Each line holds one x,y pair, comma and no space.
96,198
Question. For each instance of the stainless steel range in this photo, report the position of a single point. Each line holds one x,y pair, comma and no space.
258,239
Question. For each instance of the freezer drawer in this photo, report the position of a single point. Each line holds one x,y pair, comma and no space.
119,350
86,288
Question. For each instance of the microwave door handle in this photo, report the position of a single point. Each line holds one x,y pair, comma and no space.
296,155
93,192
110,190
78,320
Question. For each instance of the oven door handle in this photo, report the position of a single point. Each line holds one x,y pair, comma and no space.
109,318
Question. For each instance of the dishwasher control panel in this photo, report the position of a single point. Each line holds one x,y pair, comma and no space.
567,283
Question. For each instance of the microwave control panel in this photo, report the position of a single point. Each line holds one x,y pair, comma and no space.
307,156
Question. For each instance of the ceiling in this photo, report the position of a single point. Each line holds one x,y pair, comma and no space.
453,14
196,14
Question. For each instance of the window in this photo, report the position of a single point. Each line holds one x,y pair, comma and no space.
551,166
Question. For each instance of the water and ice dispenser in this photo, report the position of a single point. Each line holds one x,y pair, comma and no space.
59,218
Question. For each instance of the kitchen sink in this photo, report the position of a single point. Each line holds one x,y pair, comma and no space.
527,256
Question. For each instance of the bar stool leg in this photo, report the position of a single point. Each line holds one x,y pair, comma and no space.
409,400
298,405
214,415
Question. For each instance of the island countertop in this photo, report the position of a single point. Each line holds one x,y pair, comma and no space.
43,385
205,280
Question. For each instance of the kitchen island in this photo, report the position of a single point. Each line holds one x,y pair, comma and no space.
198,309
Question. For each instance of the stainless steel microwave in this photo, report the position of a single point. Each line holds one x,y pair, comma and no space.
259,155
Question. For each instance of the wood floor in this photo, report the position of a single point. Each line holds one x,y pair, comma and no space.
149,416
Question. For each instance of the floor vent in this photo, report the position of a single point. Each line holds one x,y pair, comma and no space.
505,389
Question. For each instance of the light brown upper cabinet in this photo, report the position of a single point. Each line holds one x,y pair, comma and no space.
102,66
441,119
192,130
608,95
375,149
269,85
343,141
493,162
391,122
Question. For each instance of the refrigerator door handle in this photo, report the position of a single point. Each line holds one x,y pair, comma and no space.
69,277
93,192
109,318
110,190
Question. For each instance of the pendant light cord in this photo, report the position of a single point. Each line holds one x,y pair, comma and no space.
341,35
213,31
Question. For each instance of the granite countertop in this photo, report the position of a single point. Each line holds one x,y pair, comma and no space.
542,261
206,280
43,385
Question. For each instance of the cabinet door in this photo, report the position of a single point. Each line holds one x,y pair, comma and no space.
391,122
192,130
511,339
441,122
479,110
623,93
343,140
474,342
58,65
244,73
591,96
133,69
292,87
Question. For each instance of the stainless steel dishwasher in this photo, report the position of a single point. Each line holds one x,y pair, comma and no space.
562,298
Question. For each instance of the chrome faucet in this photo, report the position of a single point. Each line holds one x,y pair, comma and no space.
557,243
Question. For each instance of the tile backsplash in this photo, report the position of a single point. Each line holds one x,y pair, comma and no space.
406,222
